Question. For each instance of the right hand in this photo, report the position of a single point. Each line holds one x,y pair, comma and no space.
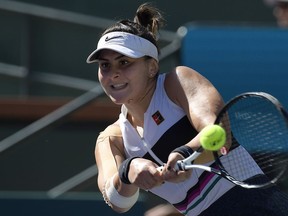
144,174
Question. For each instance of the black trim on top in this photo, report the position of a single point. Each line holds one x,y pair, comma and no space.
179,134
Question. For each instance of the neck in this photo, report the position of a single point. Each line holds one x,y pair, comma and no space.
136,109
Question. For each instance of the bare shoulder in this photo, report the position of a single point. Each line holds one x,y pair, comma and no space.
195,94
183,75
183,81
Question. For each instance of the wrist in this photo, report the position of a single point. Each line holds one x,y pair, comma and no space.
114,199
123,170
184,150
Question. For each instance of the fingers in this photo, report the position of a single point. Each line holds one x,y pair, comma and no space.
172,161
173,175
148,177
150,181
177,176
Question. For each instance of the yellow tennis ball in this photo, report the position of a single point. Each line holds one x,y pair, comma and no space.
212,137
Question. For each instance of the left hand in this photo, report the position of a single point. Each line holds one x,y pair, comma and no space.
170,174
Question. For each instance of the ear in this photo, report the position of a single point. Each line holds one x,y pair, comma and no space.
153,67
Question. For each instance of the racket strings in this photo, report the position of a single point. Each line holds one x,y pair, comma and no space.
237,166
258,126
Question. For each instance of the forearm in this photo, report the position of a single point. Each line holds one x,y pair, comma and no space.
118,195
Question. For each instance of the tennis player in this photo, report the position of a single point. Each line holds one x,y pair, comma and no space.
161,115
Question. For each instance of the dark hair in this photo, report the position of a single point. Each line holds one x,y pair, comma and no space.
147,22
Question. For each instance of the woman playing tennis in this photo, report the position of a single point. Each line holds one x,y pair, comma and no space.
161,116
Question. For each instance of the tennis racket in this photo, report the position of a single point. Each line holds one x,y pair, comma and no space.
258,128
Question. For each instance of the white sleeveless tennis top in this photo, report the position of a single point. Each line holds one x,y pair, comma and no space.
166,127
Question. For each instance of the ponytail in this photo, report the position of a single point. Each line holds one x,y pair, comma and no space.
150,18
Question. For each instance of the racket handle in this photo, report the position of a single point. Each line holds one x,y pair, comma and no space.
181,164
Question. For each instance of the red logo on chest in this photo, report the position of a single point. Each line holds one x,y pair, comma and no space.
157,117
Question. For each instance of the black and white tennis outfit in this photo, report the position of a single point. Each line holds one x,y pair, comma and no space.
166,127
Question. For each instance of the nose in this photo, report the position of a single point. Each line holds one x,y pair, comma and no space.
115,73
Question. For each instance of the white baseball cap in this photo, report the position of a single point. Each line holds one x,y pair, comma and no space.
125,43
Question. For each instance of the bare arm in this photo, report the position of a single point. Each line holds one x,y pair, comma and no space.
109,154
200,100
195,94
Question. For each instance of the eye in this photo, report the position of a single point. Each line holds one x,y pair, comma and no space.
124,62
104,65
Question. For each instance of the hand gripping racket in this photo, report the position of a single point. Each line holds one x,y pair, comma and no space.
259,134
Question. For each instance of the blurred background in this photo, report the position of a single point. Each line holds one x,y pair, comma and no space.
52,107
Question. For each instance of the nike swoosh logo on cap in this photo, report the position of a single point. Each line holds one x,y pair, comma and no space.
114,37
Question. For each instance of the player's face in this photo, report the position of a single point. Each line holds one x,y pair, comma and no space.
125,80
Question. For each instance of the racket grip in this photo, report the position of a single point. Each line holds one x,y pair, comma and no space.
180,165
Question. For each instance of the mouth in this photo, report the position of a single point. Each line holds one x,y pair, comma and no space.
119,86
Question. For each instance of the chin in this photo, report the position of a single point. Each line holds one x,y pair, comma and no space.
115,101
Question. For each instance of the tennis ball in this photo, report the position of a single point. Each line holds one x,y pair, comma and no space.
212,137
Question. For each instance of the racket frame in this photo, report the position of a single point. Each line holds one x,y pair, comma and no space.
187,163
